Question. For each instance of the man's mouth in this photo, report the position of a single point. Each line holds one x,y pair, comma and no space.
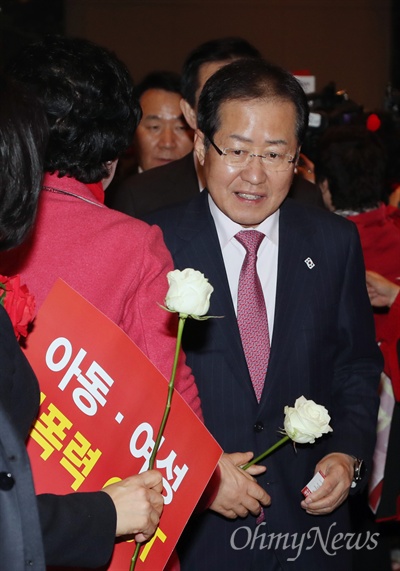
246,196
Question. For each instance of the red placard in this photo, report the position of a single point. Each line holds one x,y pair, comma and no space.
102,403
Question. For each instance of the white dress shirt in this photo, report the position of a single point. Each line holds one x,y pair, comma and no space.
234,253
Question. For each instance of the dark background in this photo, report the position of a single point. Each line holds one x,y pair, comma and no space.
354,43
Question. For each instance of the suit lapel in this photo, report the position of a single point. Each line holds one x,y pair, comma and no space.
199,242
292,289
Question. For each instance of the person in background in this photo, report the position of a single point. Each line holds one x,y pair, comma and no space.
383,294
350,170
394,197
162,135
289,281
183,179
75,529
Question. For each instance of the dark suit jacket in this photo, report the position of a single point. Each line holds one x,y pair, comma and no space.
140,194
323,347
77,529
21,545
156,188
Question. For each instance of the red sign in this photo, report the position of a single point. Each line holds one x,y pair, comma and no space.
102,403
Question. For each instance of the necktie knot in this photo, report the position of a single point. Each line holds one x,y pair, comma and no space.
251,240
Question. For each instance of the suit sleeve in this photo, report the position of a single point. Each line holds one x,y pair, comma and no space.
78,529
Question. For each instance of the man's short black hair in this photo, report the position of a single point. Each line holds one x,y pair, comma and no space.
221,49
87,94
165,80
247,80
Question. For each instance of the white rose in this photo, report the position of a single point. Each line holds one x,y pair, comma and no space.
306,421
189,292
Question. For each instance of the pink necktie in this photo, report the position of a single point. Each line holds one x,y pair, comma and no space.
252,313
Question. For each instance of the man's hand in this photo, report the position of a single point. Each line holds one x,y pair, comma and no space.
238,492
381,291
338,469
138,503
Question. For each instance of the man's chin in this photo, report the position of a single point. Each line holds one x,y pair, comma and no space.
162,162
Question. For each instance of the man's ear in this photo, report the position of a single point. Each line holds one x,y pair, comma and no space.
199,147
189,113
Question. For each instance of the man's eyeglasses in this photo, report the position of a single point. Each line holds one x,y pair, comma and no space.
272,161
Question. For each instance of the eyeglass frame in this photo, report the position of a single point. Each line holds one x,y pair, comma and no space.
222,152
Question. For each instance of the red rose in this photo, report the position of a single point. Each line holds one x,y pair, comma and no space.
18,302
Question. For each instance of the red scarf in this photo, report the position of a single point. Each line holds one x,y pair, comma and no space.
96,188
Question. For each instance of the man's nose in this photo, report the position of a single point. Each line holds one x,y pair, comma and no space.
254,172
167,138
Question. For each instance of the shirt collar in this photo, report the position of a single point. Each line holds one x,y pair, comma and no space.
227,228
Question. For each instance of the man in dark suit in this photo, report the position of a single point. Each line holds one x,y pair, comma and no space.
252,117
179,181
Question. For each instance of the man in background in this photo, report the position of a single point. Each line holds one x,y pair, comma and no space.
162,135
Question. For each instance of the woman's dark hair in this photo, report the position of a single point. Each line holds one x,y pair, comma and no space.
247,80
87,94
353,162
23,139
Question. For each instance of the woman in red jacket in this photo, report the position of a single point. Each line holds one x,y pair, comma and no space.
75,529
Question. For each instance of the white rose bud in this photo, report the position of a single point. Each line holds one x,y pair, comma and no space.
306,421
189,292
